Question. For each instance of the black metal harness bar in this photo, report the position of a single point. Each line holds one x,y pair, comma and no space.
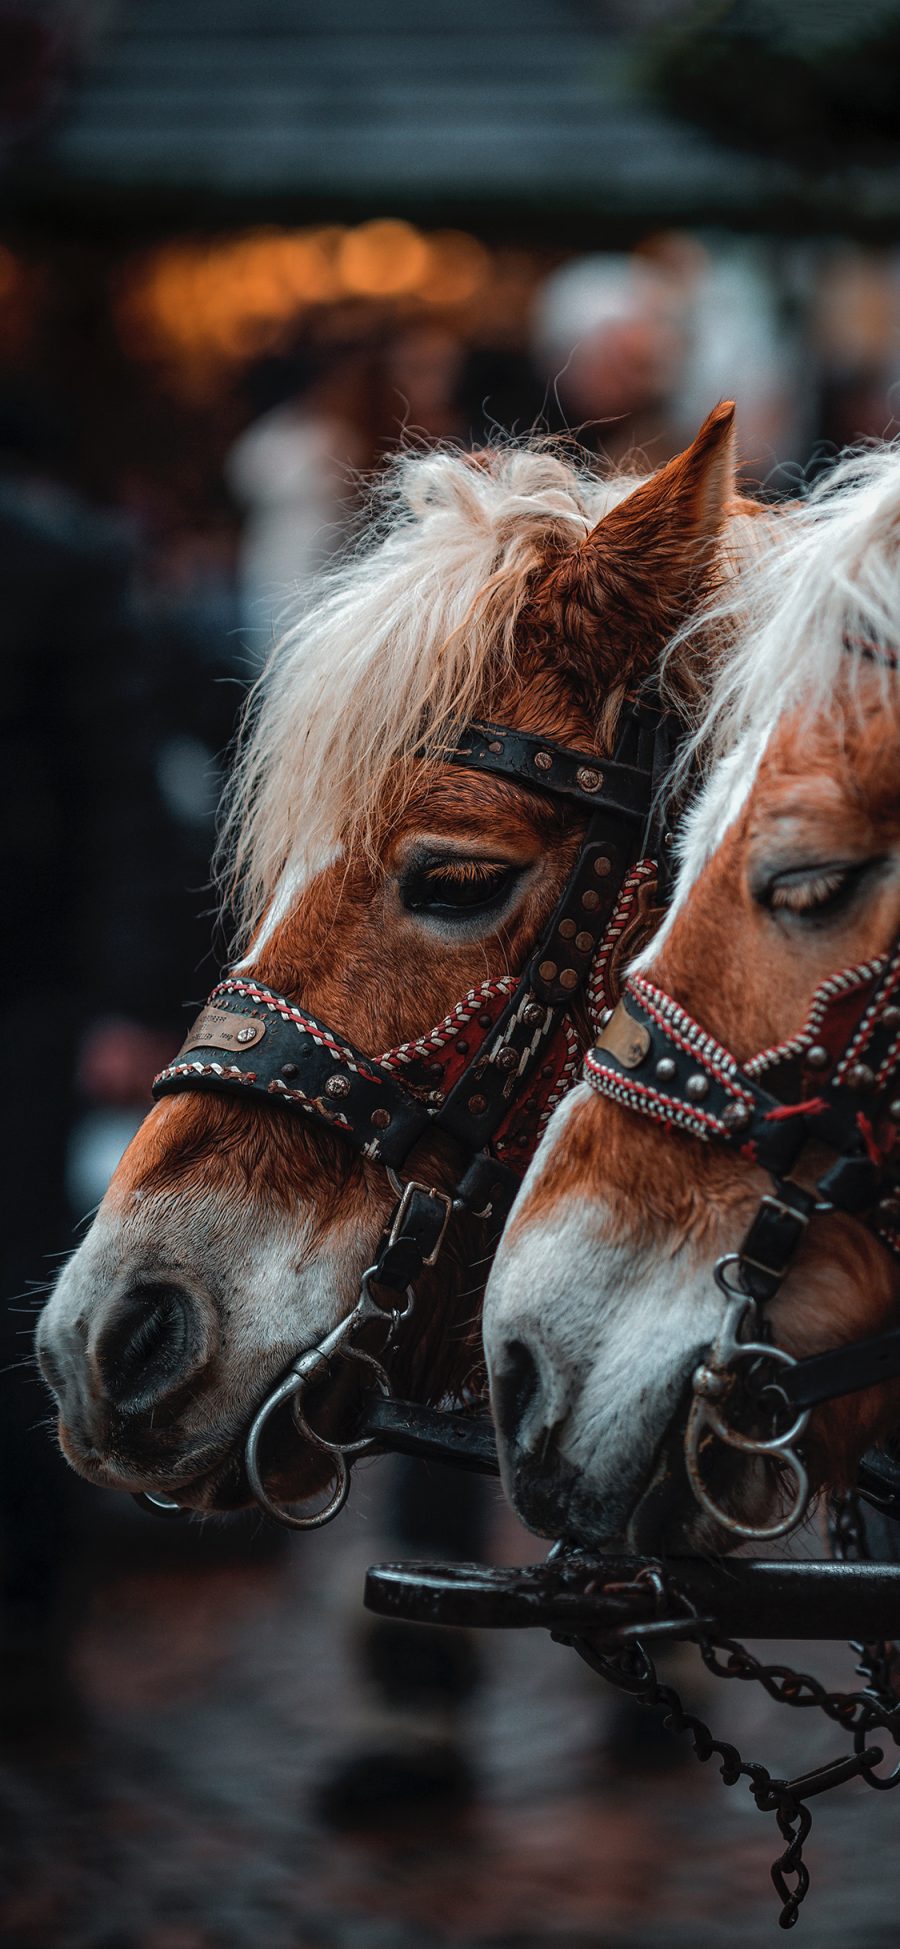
745,1597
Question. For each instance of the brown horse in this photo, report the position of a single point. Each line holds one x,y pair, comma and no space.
381,888
756,1035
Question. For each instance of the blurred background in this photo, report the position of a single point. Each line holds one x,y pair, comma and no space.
246,246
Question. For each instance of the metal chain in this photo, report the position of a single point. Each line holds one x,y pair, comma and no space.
879,1662
631,1669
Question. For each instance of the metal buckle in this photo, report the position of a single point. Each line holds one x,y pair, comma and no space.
406,1195
782,1210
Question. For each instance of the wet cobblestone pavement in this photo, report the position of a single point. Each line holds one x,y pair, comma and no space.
218,1685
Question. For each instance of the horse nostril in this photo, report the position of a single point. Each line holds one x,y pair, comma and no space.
514,1386
144,1350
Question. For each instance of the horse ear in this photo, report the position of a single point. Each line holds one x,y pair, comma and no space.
617,598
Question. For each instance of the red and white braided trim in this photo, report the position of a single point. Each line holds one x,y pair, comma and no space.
599,997
690,1037
459,1017
830,991
652,1101
277,1005
568,1076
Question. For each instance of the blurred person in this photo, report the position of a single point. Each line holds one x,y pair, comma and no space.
740,341
103,931
856,333
634,348
294,472
609,336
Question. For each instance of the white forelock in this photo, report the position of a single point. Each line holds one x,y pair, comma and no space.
828,569
392,648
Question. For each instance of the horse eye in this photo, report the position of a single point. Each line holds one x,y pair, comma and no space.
463,887
811,892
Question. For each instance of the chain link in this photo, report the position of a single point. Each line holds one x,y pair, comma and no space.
875,1709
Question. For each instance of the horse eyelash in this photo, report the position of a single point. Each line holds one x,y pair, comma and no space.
805,896
465,871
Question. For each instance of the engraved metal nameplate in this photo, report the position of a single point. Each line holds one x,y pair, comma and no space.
217,1028
625,1038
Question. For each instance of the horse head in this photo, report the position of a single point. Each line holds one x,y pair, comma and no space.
396,871
727,1171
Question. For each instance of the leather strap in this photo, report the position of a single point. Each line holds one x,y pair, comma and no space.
300,1065
543,766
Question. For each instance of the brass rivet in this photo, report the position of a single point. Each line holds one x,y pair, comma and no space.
736,1116
548,970
495,745
338,1085
435,1098
590,900
567,929
506,1059
569,978
381,1119
891,1015
543,760
532,1013
602,865
461,1047
245,1035
584,943
817,1057
894,1110
477,1104
697,1086
668,838
484,1021
665,1069
288,1069
588,779
861,1077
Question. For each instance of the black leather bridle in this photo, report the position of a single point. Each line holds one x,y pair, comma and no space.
487,1077
835,1086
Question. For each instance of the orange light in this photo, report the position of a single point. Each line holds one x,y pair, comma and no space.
383,259
459,267
215,303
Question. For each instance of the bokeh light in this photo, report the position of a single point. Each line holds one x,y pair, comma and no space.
205,304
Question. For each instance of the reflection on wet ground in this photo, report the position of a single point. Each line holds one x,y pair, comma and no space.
218,1682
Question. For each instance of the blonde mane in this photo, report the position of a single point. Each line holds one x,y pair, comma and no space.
827,575
822,578
394,647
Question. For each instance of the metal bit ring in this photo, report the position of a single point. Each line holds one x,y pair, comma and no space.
321,1441
713,1380
292,1384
